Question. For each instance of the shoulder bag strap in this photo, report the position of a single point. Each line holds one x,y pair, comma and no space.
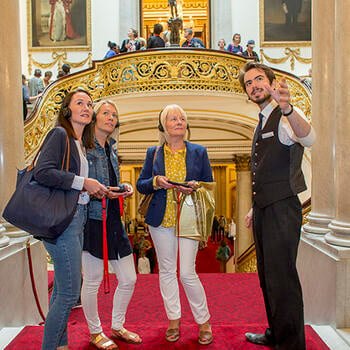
66,156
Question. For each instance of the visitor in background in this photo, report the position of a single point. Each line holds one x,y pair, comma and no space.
190,40
222,225
142,43
215,231
231,234
66,68
131,44
250,52
36,84
60,74
222,254
47,78
308,80
221,44
113,50
235,46
26,97
143,265
155,40
103,162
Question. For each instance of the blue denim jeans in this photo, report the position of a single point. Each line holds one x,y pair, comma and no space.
66,256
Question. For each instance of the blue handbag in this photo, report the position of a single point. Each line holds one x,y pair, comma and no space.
42,211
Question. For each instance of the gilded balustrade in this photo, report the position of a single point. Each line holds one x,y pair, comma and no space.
155,71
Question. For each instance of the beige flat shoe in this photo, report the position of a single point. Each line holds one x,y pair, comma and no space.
101,341
125,335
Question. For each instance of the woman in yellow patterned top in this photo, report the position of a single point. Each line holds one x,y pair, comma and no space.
175,160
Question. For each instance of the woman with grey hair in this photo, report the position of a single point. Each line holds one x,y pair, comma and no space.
104,166
175,160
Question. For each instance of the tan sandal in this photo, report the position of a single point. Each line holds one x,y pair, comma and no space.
125,335
101,341
205,337
172,335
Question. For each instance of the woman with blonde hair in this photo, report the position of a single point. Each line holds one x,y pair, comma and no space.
104,166
176,160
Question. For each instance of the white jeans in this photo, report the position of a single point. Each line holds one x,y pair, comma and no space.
166,245
124,268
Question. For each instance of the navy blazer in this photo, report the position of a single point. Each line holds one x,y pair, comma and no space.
48,167
197,168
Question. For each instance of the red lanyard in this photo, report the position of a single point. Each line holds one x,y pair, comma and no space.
121,205
178,233
105,248
189,43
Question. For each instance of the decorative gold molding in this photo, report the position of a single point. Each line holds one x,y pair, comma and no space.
247,261
59,58
289,53
203,71
242,162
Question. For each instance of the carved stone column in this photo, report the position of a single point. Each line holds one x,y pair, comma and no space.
323,108
131,10
244,236
11,114
221,25
340,225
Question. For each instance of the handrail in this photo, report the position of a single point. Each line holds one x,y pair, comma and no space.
152,71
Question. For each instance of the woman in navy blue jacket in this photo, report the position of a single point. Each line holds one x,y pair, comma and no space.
104,166
74,120
175,160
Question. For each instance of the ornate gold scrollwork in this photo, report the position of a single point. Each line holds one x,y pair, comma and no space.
289,54
59,59
140,72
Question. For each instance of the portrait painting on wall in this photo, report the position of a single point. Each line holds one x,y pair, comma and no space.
59,24
285,22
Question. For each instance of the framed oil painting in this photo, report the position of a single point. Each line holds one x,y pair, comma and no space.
285,23
59,25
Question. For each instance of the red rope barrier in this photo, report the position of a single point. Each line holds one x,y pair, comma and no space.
178,233
30,264
105,248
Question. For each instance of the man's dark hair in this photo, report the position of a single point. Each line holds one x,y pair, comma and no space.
37,73
66,68
262,67
157,28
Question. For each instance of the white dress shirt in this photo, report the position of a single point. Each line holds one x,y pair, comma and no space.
286,134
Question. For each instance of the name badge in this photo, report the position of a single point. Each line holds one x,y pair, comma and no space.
267,135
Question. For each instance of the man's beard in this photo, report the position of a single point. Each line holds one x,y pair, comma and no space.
262,99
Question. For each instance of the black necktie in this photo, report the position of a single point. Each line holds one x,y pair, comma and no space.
259,127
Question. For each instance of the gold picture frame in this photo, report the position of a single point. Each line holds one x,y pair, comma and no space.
59,25
280,27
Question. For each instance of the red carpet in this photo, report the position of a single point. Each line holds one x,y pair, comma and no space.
235,303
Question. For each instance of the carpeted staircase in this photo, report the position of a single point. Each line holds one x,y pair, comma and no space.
235,303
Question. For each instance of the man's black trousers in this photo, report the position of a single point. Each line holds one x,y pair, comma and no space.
277,234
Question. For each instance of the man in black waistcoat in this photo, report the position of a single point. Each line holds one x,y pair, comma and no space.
278,145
